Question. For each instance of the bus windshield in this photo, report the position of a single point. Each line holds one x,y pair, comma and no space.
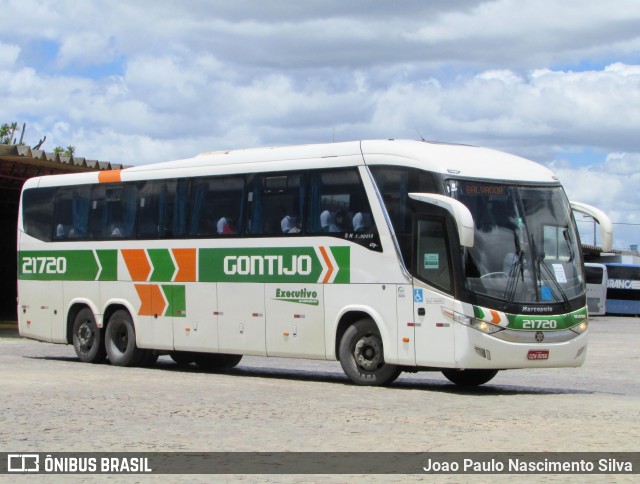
526,248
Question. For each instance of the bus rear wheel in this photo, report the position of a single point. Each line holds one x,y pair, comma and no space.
120,340
217,361
362,355
469,378
87,338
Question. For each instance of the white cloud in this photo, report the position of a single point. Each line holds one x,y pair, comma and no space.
611,185
85,48
8,55
220,75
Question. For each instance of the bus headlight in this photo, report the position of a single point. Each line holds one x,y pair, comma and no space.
482,326
581,327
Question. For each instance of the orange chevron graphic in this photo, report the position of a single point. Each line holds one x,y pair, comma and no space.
186,261
152,302
327,276
137,264
495,317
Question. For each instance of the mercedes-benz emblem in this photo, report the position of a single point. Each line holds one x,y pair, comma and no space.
539,336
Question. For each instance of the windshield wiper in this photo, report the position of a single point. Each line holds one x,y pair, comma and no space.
567,239
518,265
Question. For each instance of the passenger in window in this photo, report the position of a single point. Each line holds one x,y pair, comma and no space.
116,231
330,222
325,220
225,226
361,222
288,223
60,232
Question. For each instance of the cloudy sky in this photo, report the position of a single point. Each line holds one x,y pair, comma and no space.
141,81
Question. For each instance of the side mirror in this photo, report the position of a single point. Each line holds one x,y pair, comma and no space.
459,211
606,227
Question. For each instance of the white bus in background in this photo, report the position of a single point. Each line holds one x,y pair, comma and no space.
596,278
388,256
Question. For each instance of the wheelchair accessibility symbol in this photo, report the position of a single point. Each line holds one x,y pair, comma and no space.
417,296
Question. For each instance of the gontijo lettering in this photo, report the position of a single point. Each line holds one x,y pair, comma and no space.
304,265
268,264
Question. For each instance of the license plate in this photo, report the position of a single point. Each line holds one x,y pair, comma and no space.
538,355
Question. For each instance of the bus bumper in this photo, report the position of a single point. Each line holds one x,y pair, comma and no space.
474,349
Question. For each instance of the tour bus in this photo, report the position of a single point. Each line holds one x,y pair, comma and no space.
386,255
596,278
623,289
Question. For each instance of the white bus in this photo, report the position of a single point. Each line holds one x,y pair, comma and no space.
387,255
597,279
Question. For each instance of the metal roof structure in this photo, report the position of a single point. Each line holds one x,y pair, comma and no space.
19,161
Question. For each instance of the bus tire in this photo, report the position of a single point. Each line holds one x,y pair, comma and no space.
87,338
469,378
183,357
120,340
217,361
362,355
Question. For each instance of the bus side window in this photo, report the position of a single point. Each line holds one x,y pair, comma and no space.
431,262
113,211
151,209
37,212
71,213
276,204
338,203
177,204
395,183
216,206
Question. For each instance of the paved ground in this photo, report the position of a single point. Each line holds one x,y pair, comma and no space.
51,402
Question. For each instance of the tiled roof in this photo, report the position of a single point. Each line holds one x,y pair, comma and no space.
47,159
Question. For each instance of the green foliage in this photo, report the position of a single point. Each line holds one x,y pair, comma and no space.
60,151
6,133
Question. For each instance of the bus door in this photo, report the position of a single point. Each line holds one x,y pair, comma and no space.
433,289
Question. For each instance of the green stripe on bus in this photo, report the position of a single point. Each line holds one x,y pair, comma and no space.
109,262
176,297
278,264
547,322
342,255
57,265
163,266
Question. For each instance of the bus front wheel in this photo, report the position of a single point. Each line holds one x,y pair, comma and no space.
87,338
469,378
120,340
362,355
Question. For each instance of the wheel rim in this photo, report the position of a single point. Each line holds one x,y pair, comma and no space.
85,335
368,353
120,338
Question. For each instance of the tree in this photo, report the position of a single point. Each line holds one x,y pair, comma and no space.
6,133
